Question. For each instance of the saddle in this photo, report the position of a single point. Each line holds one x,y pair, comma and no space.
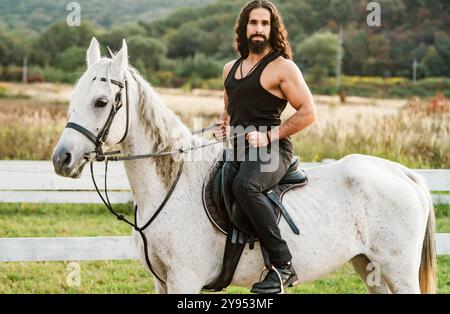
230,219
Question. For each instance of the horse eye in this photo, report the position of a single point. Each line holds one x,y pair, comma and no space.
101,102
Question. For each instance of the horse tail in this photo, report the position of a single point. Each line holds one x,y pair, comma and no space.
427,270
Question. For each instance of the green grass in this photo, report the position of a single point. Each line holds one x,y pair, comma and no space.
60,220
442,213
56,220
130,277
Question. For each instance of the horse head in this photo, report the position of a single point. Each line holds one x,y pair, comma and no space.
96,120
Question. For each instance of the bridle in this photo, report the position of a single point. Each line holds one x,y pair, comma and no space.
99,155
100,139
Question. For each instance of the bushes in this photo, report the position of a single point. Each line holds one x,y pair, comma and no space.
29,136
379,87
417,136
199,66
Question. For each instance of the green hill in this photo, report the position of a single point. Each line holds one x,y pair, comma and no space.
37,15
409,30
186,42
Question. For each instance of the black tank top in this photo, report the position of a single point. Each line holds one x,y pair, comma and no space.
250,104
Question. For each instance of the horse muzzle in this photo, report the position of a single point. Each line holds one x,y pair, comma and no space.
66,165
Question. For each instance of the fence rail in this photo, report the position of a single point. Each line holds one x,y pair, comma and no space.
99,248
36,182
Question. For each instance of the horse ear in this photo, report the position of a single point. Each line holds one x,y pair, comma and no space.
93,52
120,60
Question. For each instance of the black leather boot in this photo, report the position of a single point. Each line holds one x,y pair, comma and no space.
276,280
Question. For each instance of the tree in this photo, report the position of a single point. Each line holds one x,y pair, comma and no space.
146,51
58,38
4,48
113,38
318,54
442,43
184,42
378,61
393,13
341,10
199,66
356,50
71,59
434,64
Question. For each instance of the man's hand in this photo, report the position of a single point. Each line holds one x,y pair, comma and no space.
257,139
220,132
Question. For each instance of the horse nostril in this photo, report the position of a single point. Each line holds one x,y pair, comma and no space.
67,158
62,160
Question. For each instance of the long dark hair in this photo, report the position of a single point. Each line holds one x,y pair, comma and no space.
278,35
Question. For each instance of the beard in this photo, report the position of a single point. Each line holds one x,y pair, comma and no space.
257,47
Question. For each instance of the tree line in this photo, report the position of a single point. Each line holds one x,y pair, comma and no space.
191,45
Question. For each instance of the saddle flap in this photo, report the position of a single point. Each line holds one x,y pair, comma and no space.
223,197
216,190
228,172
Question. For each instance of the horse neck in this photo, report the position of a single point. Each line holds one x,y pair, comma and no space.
153,128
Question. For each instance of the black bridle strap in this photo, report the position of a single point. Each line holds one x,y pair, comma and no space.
103,134
103,79
83,131
99,155
206,129
169,193
127,113
121,217
111,155
105,130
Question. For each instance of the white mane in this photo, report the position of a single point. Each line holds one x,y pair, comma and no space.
163,127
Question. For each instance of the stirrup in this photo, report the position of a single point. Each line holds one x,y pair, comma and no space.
279,277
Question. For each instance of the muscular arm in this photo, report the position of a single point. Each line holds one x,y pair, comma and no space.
221,131
224,115
294,88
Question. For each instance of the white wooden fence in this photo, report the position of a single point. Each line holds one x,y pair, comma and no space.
36,182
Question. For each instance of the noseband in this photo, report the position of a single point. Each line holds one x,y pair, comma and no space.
100,139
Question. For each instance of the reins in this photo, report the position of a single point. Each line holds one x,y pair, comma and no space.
106,158
99,155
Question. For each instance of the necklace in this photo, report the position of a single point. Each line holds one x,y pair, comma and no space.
251,70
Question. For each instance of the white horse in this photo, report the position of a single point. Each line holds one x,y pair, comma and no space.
373,212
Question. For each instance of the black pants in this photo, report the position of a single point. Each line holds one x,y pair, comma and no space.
256,174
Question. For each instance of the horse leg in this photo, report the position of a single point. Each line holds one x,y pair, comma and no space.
401,277
160,287
378,286
183,281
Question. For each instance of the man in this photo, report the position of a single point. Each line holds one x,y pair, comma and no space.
257,88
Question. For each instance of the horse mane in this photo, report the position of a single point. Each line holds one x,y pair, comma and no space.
165,129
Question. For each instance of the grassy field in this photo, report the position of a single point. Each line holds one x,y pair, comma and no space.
49,220
413,132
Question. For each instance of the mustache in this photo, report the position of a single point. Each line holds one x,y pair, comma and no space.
258,35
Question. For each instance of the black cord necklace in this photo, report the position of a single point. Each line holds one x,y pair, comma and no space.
254,67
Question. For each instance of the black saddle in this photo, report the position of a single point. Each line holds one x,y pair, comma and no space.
230,219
